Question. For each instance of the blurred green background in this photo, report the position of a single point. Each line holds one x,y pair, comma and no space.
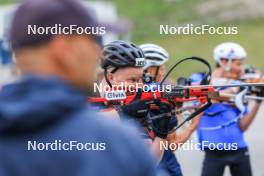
147,15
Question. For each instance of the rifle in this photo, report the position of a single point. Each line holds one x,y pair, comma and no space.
178,94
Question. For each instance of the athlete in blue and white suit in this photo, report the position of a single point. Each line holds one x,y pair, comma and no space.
222,126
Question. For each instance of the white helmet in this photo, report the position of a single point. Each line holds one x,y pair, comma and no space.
155,55
229,51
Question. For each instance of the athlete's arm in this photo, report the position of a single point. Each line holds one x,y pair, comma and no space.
249,118
181,137
111,113
155,147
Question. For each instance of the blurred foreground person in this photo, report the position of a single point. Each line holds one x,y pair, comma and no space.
46,128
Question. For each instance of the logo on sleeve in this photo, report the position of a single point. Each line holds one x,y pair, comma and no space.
115,95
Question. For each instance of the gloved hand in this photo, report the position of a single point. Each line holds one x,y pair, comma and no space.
260,93
160,119
137,109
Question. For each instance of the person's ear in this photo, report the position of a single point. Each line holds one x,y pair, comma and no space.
60,49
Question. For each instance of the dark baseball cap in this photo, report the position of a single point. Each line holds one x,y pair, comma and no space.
49,13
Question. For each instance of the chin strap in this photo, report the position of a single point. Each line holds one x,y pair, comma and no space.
156,74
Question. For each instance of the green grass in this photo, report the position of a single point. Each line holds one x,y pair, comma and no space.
7,1
147,15
250,36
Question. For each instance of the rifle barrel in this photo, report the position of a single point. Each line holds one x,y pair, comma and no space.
247,97
225,85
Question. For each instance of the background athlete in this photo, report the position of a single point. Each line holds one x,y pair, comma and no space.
223,124
156,57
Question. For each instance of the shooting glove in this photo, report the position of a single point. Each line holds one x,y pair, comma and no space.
137,109
260,93
160,119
